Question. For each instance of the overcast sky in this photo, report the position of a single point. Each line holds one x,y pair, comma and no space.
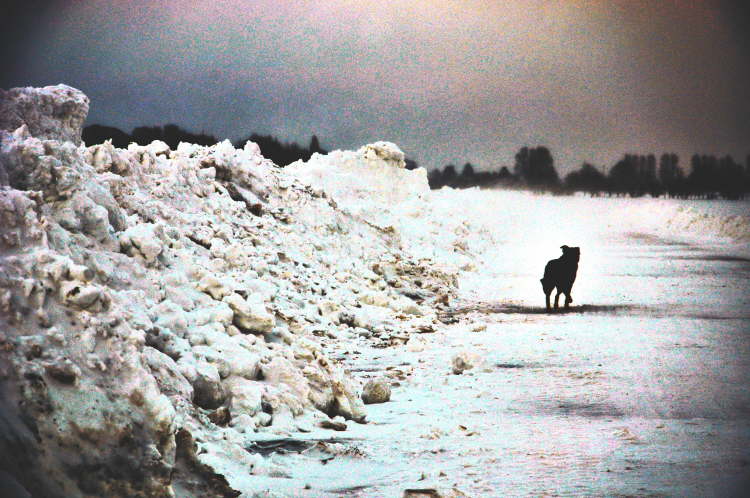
449,81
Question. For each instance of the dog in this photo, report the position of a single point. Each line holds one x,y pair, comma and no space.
560,273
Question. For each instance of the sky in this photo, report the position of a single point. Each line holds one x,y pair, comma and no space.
448,81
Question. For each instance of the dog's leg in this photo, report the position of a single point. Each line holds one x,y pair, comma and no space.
547,291
557,299
568,300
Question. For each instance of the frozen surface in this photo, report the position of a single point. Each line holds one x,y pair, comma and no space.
640,389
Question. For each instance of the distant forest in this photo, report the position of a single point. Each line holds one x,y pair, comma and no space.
633,175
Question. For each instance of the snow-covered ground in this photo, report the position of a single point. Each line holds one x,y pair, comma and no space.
640,389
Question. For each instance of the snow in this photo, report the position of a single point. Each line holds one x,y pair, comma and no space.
232,311
641,390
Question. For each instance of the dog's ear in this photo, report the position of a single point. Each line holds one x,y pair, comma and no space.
564,248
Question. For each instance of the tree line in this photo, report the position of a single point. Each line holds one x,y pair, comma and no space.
633,175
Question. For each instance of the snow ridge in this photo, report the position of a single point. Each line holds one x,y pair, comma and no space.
162,309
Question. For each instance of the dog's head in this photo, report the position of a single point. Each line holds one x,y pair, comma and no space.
571,253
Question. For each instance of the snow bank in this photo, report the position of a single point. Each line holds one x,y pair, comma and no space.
367,182
697,222
373,184
694,220
161,309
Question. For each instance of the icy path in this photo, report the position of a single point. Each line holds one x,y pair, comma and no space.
647,398
640,390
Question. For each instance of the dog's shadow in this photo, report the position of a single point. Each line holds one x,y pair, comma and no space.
519,309
583,308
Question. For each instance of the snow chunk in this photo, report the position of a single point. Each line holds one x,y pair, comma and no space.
250,314
376,391
142,240
50,113
246,396
384,151
465,360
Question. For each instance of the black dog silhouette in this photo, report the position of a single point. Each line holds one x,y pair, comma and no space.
561,273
